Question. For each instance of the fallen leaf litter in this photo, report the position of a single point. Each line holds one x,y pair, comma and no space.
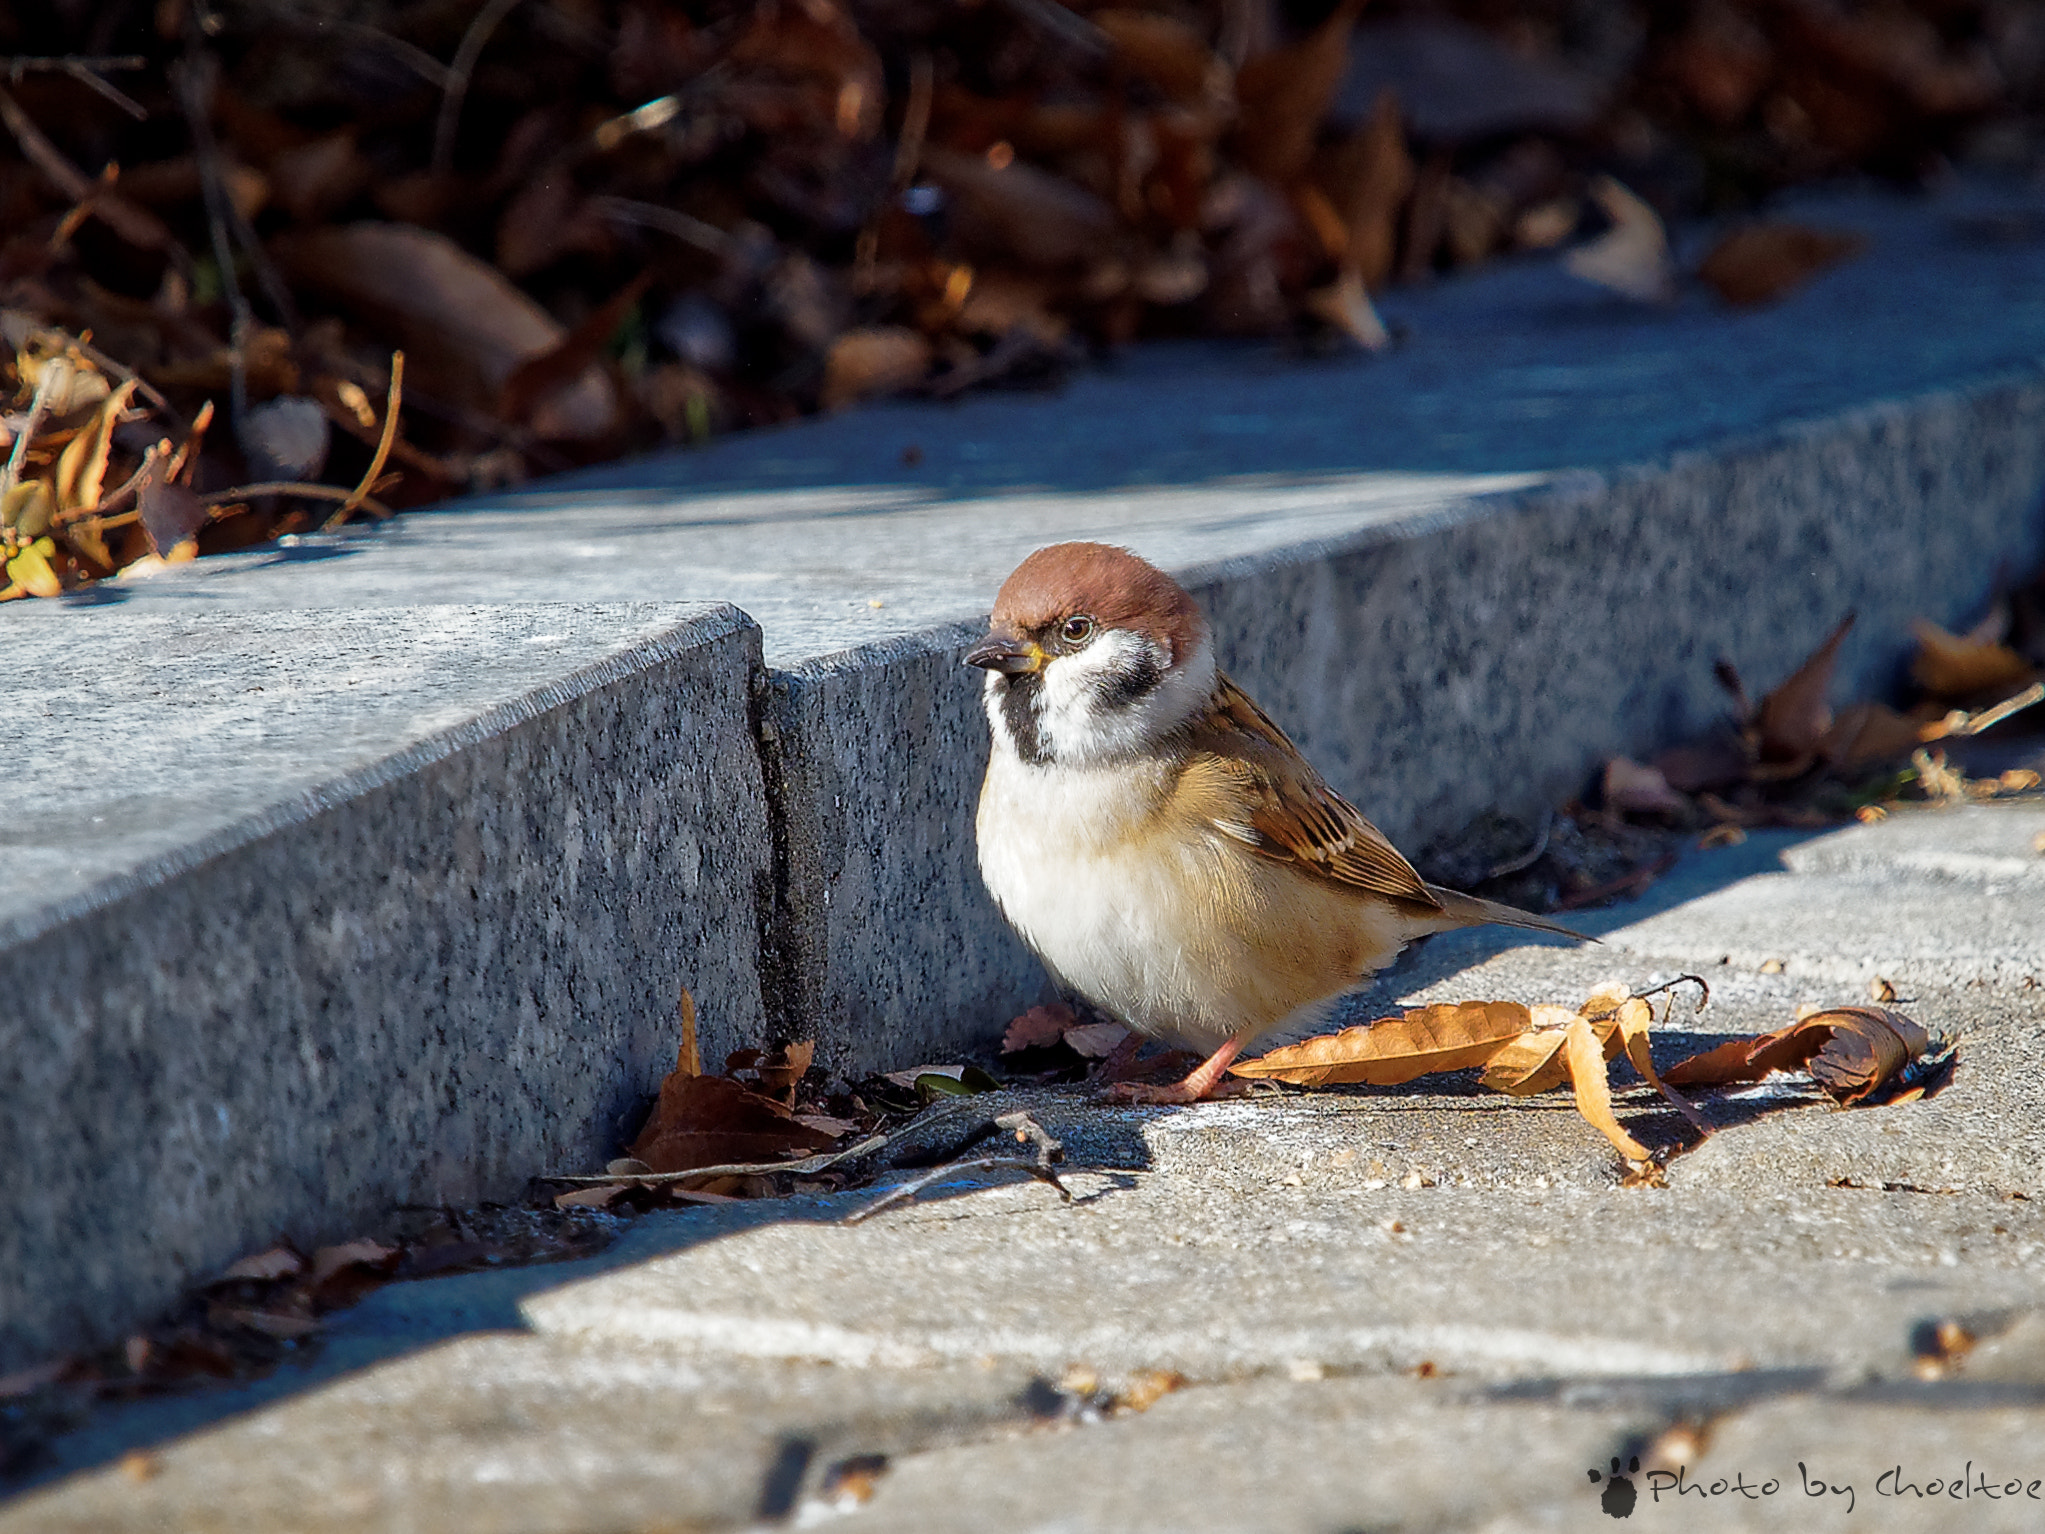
600,226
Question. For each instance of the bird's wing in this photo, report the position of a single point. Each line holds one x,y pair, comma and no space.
1262,792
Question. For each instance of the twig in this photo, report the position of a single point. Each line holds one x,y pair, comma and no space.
647,215
1527,860
392,401
193,77
915,118
1626,884
308,491
1026,1130
809,1164
644,118
1974,724
136,225
105,505
1068,27
464,65
87,70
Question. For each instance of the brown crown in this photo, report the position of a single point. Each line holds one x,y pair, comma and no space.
1110,585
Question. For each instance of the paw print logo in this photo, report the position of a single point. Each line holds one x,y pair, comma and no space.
1620,1494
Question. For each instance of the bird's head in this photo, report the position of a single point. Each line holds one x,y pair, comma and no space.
1092,655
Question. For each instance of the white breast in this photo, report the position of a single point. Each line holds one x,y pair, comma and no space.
1123,917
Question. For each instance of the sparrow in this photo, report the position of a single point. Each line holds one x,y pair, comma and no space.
1157,841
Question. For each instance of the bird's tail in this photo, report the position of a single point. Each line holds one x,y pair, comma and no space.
1470,911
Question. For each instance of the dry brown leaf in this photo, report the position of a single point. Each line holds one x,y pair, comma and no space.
1096,1041
1866,733
781,1069
1392,1050
328,1261
1950,667
1018,212
1367,179
1584,1054
277,1262
1717,761
689,1058
82,466
538,380
1283,97
716,1121
1643,790
1038,1028
1759,263
1632,257
1168,52
1536,1061
1850,1051
880,359
1793,719
464,324
172,514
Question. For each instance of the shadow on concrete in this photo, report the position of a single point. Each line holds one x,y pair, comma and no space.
412,1316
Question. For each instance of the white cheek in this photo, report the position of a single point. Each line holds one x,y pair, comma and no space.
1078,724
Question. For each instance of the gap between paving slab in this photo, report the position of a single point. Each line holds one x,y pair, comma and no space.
1458,574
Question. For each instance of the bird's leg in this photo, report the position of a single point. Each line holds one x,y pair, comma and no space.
1207,1079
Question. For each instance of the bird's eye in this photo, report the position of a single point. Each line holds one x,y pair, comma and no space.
1077,629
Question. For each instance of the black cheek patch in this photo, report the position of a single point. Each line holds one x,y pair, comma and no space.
1019,696
1132,682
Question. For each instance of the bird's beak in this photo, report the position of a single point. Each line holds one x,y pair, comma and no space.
1007,654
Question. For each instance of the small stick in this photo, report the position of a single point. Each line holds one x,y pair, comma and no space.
820,1163
309,492
937,1174
698,232
135,224
1026,1130
1974,724
465,58
383,446
1527,860
915,118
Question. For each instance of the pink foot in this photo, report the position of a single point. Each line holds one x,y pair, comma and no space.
1208,1080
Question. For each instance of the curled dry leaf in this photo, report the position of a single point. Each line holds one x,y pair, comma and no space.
1950,667
1759,263
780,1069
1632,257
1852,1052
1524,1050
1391,1050
1866,733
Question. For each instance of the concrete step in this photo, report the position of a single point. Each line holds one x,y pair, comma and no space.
1458,574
